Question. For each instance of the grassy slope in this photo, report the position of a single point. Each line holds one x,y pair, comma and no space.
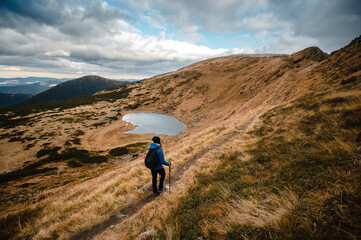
273,177
302,181
303,176
297,177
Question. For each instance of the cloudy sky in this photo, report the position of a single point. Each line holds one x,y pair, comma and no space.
142,38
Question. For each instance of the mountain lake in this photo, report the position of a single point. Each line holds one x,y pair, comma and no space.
154,123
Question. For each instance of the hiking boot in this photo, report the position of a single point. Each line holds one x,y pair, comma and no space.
156,193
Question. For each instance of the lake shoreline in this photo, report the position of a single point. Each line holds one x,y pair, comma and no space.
156,123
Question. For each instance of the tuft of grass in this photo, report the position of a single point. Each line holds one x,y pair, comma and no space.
82,156
74,164
119,151
30,145
336,101
10,121
133,106
78,133
113,118
77,158
25,172
99,124
47,151
260,131
349,80
11,224
352,119
75,140
130,148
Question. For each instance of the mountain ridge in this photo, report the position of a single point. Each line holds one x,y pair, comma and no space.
79,87
10,99
33,88
272,149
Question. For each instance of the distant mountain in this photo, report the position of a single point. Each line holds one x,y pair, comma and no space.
79,87
12,99
33,88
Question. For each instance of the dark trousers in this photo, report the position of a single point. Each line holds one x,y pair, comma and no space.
154,179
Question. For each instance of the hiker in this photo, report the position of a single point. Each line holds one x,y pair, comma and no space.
157,146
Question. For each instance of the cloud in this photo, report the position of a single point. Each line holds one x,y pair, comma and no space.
195,17
32,82
10,68
92,43
330,24
144,38
9,82
155,19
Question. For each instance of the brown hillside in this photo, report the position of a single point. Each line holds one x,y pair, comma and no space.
251,119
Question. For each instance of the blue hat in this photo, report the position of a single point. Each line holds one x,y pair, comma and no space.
156,139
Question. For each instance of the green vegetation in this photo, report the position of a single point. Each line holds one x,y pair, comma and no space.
349,80
19,139
334,102
78,133
167,91
84,86
137,145
10,225
74,164
99,124
47,151
17,174
75,141
243,65
82,156
67,120
75,156
130,148
30,145
202,89
302,182
260,131
114,118
189,76
10,120
133,106
119,151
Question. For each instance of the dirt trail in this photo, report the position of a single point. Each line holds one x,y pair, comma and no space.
132,209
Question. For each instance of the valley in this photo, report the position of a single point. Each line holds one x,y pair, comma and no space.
272,150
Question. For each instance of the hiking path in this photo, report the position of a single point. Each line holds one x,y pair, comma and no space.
132,209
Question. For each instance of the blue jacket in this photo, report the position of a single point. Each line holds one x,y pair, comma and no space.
160,156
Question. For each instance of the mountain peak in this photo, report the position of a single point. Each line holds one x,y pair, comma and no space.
356,41
353,46
83,86
90,78
311,53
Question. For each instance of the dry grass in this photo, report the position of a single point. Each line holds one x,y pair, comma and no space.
77,207
238,87
164,205
250,208
271,212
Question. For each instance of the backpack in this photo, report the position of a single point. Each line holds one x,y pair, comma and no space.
151,160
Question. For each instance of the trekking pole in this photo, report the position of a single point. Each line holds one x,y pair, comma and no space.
170,166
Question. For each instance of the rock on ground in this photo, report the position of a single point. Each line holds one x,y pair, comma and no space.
150,231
